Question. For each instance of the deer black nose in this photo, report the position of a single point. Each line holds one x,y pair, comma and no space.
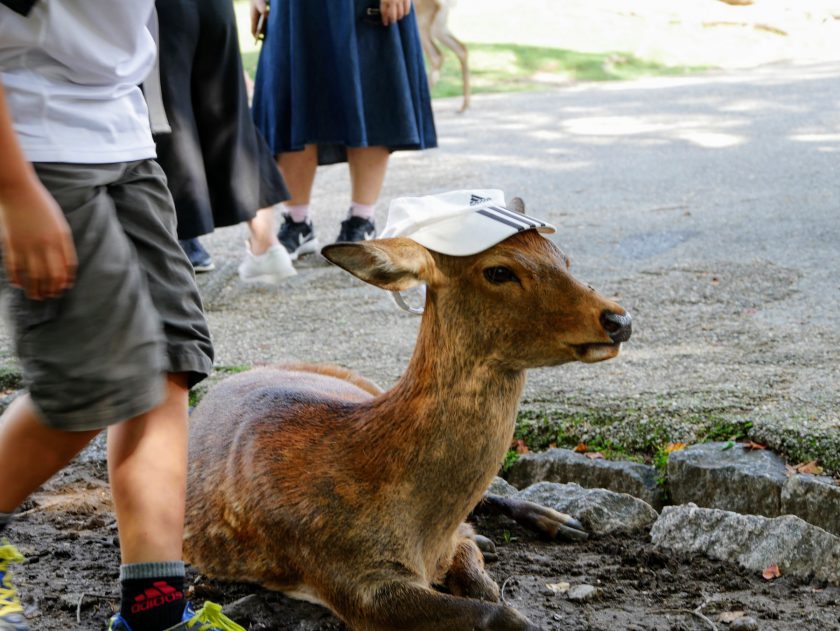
618,327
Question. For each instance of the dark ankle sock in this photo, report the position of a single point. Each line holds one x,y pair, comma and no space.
152,595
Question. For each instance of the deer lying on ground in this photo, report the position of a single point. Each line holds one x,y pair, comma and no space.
433,24
312,481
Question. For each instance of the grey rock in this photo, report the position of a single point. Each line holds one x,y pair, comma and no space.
500,486
734,479
746,623
600,511
815,499
583,593
564,465
752,541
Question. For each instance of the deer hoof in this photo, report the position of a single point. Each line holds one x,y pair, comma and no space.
571,528
553,523
485,545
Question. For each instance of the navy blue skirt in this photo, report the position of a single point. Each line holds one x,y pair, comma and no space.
329,76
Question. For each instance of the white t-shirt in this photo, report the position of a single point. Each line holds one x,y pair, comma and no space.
71,71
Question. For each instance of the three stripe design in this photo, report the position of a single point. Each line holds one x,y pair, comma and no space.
510,218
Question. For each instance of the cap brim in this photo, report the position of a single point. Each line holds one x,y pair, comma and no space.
477,231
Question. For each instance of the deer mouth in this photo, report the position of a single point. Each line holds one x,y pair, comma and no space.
597,352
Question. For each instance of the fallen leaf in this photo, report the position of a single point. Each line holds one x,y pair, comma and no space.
771,572
729,445
521,447
809,467
729,616
558,588
790,470
594,455
581,448
672,447
552,445
837,481
750,444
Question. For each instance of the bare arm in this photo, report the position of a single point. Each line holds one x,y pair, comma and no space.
38,250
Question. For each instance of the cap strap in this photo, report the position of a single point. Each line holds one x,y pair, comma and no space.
402,304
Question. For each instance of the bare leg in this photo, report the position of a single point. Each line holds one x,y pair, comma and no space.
367,172
298,169
31,453
263,231
147,464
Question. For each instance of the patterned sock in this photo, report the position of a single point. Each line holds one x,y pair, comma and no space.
152,595
298,212
365,211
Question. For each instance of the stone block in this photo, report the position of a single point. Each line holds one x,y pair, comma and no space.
600,511
733,479
564,465
752,541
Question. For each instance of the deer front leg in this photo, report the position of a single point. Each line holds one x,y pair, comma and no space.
466,576
533,516
409,606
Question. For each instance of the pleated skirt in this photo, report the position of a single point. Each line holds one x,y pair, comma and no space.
331,76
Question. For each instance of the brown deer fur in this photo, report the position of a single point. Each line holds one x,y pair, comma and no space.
310,481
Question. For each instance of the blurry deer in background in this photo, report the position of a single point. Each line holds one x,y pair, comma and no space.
432,21
312,481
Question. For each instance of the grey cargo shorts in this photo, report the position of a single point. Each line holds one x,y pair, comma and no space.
99,353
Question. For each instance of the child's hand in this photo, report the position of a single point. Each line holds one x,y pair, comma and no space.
259,15
394,10
38,249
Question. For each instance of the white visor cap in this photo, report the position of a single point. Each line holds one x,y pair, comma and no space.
458,223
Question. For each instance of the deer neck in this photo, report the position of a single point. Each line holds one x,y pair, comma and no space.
456,406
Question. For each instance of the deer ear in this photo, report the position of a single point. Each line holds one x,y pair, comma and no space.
393,264
516,205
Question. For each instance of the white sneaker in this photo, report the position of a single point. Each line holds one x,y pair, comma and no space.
271,266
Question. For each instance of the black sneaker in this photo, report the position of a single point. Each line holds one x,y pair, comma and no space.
356,229
298,237
198,256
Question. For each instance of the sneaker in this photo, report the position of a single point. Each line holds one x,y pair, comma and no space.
198,256
271,266
11,612
208,618
356,229
298,237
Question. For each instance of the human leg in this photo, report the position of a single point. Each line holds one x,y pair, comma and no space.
147,465
266,259
298,169
32,452
367,172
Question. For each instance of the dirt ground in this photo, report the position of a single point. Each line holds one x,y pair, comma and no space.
69,536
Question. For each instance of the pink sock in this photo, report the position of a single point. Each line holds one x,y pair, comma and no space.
365,211
298,212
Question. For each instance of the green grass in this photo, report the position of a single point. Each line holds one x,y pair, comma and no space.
514,68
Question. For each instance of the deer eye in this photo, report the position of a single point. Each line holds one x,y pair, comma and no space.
499,274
